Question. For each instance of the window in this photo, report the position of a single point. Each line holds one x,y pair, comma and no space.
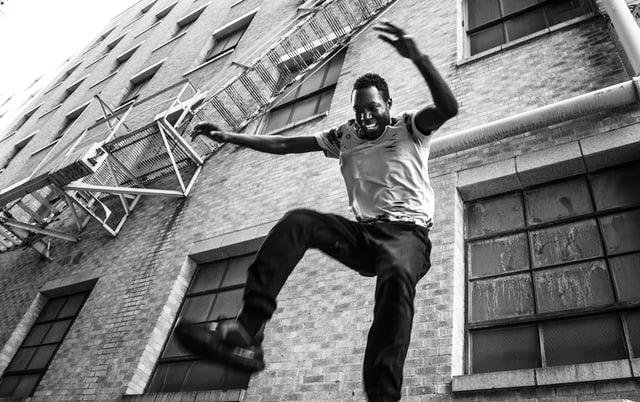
186,21
124,56
68,73
226,42
552,273
310,98
70,118
492,23
71,88
40,345
214,295
23,120
139,81
102,37
163,13
17,148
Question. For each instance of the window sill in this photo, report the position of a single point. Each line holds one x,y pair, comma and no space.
103,79
557,375
297,123
233,395
169,41
210,61
53,109
470,59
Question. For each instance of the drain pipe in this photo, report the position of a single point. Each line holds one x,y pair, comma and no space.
627,29
625,93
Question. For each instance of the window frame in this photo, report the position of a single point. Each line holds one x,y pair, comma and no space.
465,54
618,308
281,103
9,372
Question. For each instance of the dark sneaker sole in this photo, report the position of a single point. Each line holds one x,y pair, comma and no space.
209,345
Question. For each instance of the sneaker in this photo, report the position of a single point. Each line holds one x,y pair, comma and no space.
229,343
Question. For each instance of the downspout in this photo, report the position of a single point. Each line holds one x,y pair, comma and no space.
623,94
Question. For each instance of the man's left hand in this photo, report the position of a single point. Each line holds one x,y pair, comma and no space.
399,39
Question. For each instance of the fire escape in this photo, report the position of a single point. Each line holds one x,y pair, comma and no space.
104,172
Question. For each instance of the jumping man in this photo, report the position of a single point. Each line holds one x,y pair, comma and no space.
383,161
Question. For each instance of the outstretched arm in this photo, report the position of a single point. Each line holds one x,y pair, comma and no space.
273,144
445,105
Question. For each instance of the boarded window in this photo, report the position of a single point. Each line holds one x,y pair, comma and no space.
558,261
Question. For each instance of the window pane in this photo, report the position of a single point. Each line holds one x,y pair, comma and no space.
57,331
42,357
227,305
525,24
557,201
511,6
633,325
236,379
505,349
278,118
335,65
499,255
621,231
51,309
510,296
580,285
313,83
208,277
237,272
197,308
482,11
486,39
174,348
36,335
583,340
72,306
21,359
560,11
495,215
27,385
626,275
616,188
8,384
169,377
565,243
305,108
204,375
325,101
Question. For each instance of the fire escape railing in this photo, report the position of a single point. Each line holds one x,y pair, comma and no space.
109,166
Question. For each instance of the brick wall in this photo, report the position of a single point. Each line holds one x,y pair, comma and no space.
315,343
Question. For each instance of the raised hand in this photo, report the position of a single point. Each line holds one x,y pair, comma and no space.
398,38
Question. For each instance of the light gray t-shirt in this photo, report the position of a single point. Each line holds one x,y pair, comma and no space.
386,178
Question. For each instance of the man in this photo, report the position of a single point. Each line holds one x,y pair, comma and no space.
384,165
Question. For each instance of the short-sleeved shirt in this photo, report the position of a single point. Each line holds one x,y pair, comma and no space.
386,178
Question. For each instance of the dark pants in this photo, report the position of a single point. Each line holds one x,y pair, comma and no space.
397,253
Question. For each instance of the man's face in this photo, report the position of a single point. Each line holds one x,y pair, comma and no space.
373,113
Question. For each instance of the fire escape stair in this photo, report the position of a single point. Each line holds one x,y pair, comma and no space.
108,167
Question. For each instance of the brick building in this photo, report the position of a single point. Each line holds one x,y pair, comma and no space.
113,224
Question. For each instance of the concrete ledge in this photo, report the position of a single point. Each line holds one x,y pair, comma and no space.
484,181
550,164
230,244
611,148
233,395
496,380
70,284
557,375
635,367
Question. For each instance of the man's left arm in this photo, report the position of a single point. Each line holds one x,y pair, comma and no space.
445,105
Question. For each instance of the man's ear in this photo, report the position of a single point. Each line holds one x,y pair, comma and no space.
389,103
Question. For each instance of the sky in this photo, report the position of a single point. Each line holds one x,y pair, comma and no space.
38,36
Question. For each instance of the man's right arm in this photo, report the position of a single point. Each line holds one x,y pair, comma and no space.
273,144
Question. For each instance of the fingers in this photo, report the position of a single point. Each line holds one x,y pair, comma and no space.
389,27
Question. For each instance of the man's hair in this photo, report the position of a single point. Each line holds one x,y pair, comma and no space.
372,80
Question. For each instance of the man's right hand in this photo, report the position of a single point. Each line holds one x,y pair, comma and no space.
209,130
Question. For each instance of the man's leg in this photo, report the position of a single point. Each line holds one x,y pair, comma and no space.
283,248
403,259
